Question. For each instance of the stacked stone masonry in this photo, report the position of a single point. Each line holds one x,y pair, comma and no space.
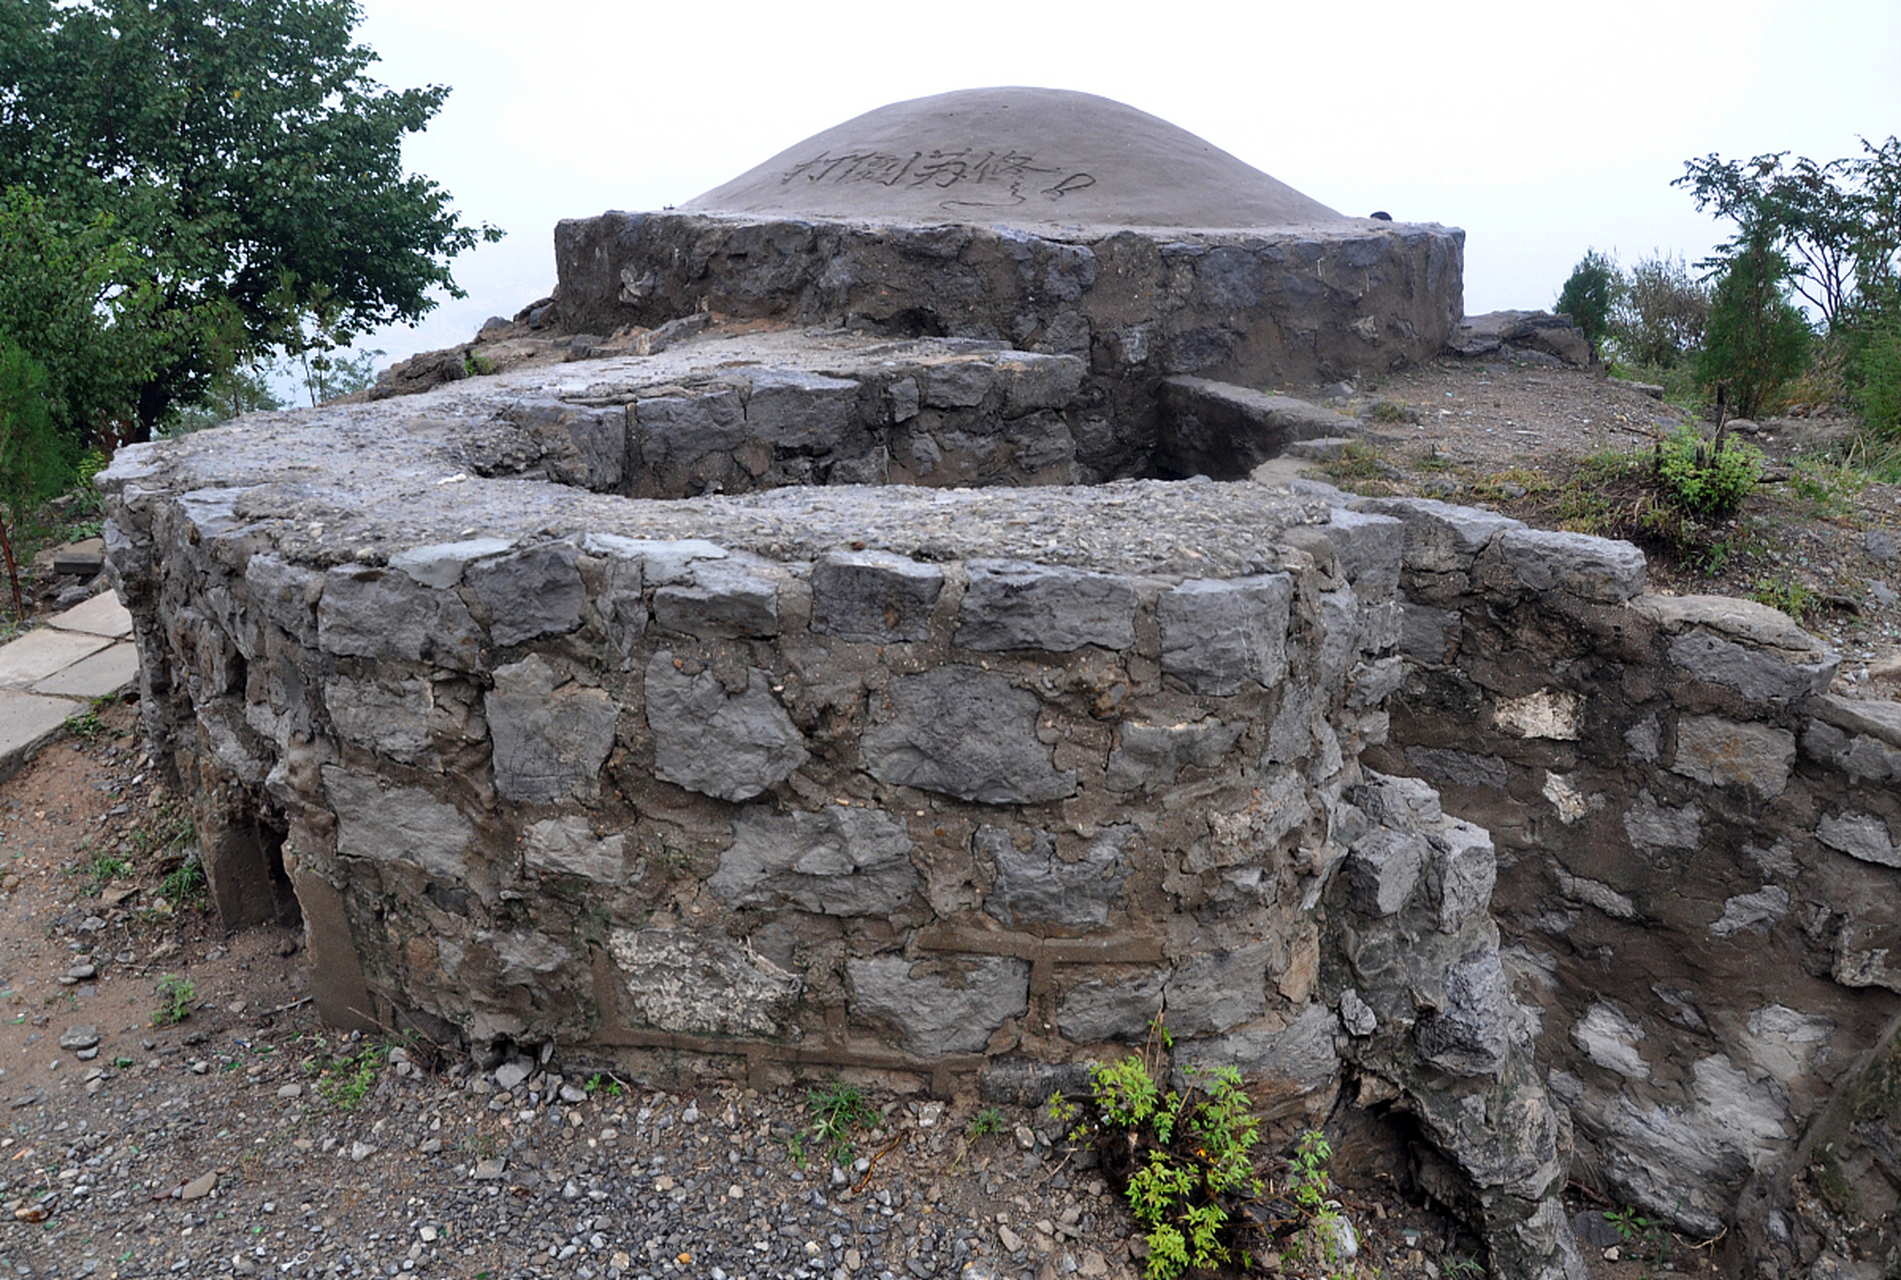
1698,847
934,782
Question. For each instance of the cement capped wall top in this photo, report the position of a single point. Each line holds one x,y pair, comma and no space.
1020,157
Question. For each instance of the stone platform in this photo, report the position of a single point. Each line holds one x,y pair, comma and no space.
1056,222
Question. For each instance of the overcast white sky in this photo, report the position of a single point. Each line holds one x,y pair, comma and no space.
1541,129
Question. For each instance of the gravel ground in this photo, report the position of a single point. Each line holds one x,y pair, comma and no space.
248,1139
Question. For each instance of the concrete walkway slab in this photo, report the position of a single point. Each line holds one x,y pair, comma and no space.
26,721
105,674
102,615
39,654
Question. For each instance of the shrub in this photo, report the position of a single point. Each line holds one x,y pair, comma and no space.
1590,294
1661,313
1705,478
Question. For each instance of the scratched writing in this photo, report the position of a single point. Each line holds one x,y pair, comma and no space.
1004,177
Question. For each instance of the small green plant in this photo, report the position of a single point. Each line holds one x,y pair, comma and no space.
985,1123
184,885
175,996
1391,412
1185,1159
86,725
345,1080
1357,463
1707,478
838,1111
1461,1267
600,1082
99,869
477,365
1638,1233
1785,594
1827,489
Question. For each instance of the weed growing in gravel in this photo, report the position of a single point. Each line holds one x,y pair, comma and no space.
1827,488
1707,478
600,1082
99,869
184,885
1785,594
838,1110
345,1079
175,995
1184,1160
985,1123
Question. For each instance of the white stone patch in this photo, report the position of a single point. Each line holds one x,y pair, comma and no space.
1785,1042
1609,1039
695,983
1570,803
1548,713
1597,894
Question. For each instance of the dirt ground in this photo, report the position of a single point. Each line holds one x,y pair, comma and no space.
1817,539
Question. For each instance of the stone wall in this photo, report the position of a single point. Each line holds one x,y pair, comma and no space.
1698,848
951,784
1260,308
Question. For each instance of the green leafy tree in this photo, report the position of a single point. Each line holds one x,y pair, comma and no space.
72,298
247,159
30,469
1756,340
1589,296
1837,222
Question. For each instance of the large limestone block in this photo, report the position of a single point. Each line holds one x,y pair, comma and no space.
389,717
551,736
1597,569
532,593
1218,990
1034,885
965,732
1440,537
1860,835
1760,674
1223,636
1384,868
937,1011
732,745
840,862
874,596
568,846
1471,1033
1725,753
727,599
374,613
1012,604
1152,755
398,824
1121,1010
